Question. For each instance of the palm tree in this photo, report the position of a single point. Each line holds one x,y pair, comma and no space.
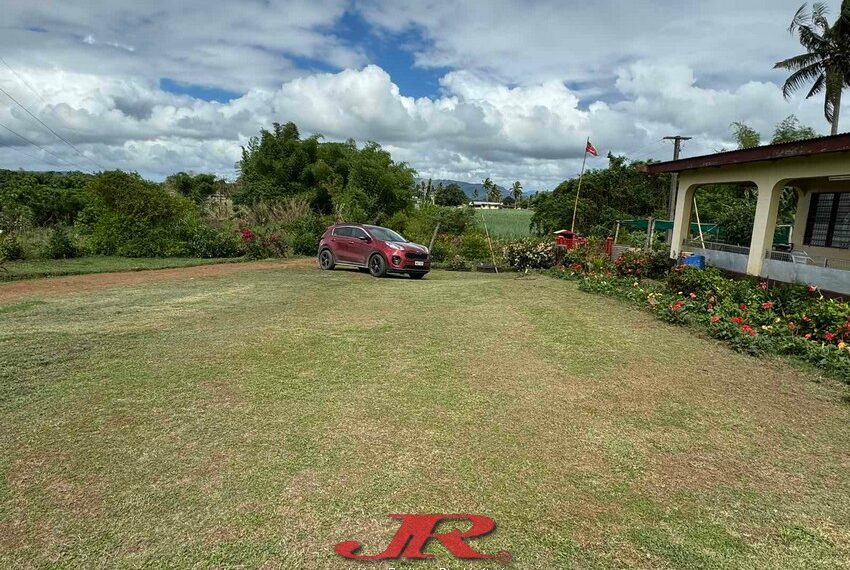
494,195
826,62
516,192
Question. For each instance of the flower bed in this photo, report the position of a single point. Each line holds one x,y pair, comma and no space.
752,317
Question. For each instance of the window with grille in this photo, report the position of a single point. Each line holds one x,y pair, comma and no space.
829,220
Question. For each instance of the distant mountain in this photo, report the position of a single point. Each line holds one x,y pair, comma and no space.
467,187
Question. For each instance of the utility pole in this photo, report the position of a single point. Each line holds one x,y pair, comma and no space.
674,181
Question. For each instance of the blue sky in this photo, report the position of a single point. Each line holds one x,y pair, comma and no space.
503,88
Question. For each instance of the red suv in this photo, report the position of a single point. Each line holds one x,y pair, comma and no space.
373,248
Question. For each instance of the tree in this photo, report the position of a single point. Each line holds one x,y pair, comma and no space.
494,194
450,195
196,187
516,193
826,62
618,192
356,184
790,130
745,136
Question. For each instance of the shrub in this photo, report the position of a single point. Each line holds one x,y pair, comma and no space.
60,245
207,241
529,254
474,246
643,264
458,263
137,218
10,247
262,243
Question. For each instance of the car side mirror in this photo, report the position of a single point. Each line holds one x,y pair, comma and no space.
367,239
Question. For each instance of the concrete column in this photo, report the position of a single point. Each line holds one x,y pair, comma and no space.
764,224
682,221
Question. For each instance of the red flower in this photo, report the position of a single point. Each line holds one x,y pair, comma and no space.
737,320
743,307
714,319
749,330
767,305
828,336
763,285
693,296
677,305
812,289
247,234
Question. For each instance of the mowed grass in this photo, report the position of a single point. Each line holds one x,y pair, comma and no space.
18,270
506,223
257,418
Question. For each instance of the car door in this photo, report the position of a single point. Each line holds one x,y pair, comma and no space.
341,239
361,245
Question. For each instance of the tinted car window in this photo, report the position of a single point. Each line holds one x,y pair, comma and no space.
358,233
343,231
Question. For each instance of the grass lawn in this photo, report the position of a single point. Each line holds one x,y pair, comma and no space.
97,264
506,223
262,416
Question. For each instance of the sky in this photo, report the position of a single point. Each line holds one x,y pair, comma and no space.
508,89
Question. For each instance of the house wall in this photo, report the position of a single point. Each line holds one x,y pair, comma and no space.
771,177
806,189
834,280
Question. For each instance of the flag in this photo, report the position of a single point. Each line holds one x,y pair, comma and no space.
591,149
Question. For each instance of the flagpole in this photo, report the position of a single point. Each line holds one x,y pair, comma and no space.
580,176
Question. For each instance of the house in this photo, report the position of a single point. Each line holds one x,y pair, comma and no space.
818,169
485,205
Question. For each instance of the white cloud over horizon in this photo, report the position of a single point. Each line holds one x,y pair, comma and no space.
511,116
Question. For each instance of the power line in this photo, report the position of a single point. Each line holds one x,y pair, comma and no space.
24,81
57,135
34,90
25,139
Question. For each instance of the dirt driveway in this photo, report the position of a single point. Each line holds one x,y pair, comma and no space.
69,284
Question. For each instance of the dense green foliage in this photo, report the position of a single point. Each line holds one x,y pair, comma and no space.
40,198
607,195
196,187
450,195
355,184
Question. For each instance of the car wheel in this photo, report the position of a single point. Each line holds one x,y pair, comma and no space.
326,259
377,266
416,275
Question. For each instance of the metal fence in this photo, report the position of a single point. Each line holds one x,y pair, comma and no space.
802,258
717,246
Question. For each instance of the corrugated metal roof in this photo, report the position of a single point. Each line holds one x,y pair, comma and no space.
808,147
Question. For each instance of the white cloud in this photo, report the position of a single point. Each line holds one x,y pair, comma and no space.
522,96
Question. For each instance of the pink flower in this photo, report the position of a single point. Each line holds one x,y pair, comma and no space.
767,305
812,289
676,306
693,296
714,319
749,330
763,285
828,336
737,320
743,307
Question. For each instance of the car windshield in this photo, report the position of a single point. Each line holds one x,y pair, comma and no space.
385,235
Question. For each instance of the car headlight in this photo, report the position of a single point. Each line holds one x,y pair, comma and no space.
395,246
